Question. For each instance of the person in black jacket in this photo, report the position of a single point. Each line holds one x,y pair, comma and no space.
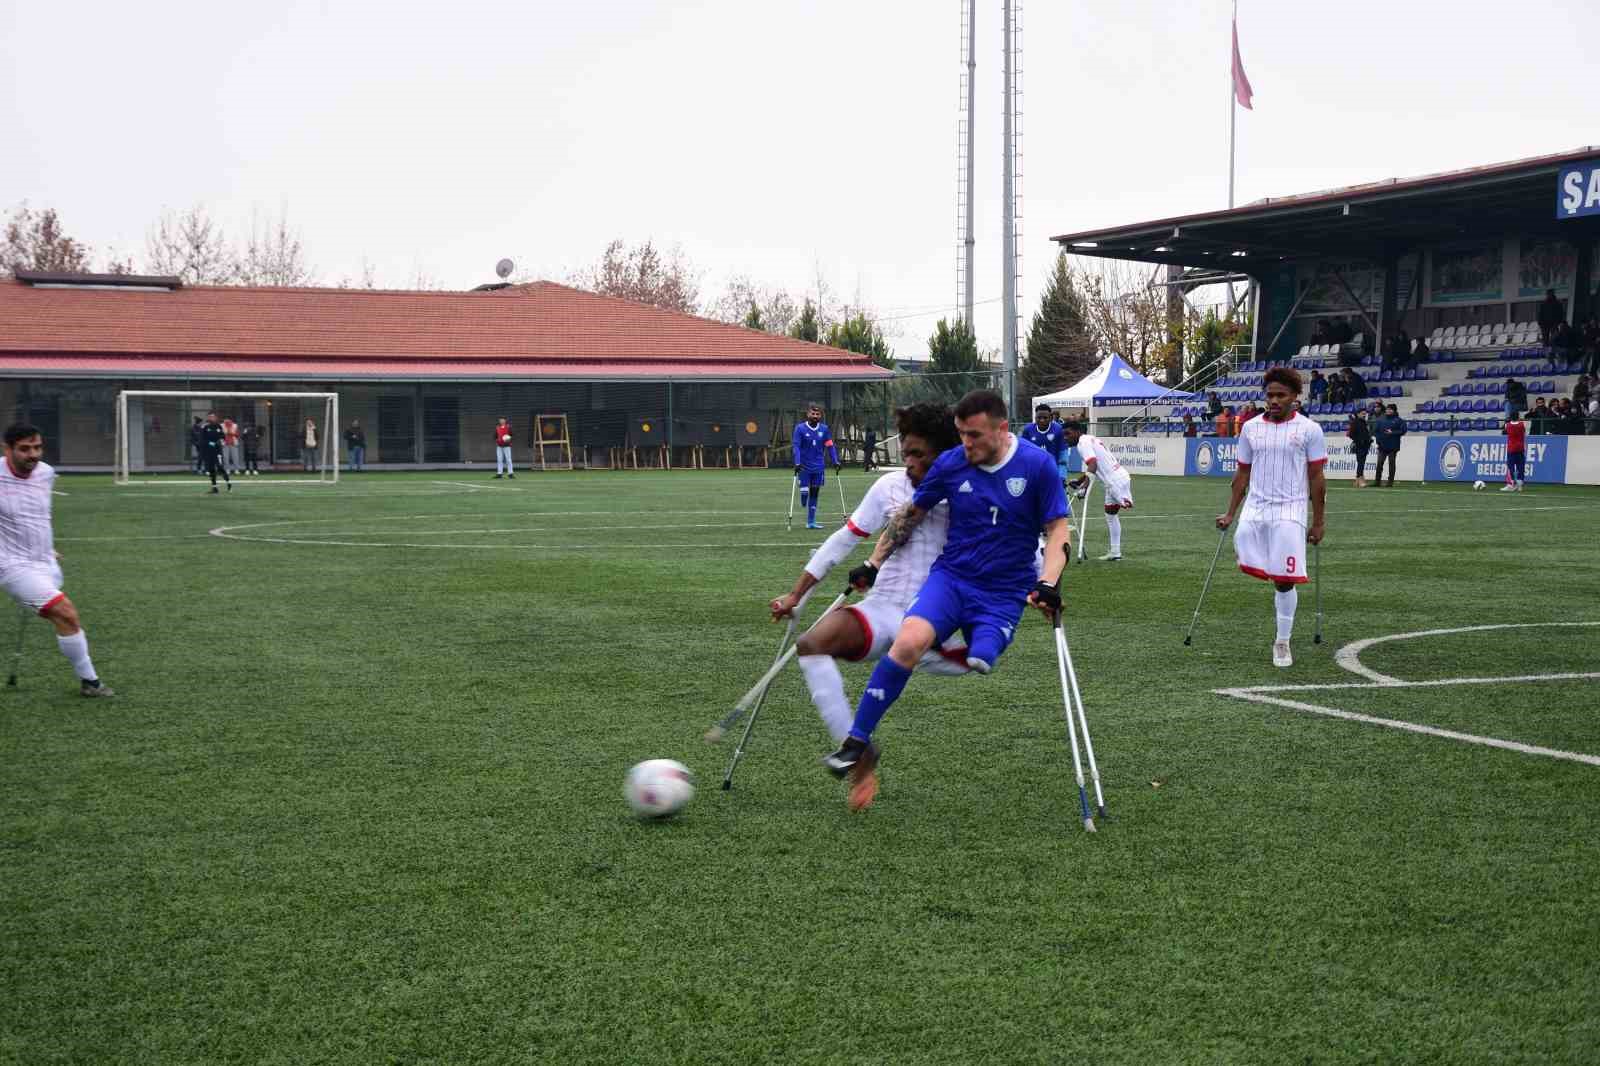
1360,434
1388,430
1551,314
211,434
197,442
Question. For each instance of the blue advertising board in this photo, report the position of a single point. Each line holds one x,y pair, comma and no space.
1210,457
1578,190
1472,459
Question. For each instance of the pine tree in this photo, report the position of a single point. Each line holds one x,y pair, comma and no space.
752,320
805,327
858,333
1061,347
953,365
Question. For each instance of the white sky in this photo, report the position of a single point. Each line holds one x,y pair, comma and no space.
766,138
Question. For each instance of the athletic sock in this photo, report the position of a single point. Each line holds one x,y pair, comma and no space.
1114,527
888,680
811,507
826,685
76,649
1285,602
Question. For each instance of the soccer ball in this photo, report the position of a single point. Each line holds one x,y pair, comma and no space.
658,788
1477,486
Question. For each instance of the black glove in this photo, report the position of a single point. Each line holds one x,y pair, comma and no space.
797,470
838,467
863,577
1047,595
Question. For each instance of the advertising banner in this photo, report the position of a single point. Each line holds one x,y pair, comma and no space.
1210,457
1471,274
1543,265
1472,459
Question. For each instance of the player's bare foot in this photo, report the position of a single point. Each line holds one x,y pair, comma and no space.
95,689
1280,653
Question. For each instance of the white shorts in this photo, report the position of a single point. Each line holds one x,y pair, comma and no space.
1271,550
35,586
880,619
1118,490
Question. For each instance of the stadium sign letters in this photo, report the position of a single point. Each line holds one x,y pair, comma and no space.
1578,191
1484,458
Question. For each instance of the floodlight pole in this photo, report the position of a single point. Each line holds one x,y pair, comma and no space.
1008,223
1233,122
968,240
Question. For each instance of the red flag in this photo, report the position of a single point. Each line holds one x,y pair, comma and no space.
1241,84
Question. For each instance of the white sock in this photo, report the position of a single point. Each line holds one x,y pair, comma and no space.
827,693
1114,527
1285,602
76,649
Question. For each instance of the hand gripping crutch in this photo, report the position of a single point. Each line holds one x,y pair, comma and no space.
1316,561
1072,698
1222,536
16,656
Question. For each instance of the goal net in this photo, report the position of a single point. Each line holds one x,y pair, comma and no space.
155,434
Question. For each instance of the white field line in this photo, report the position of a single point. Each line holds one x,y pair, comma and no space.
1349,656
1436,683
1257,696
586,547
613,528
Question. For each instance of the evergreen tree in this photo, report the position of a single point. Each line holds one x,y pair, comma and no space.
752,320
805,327
953,365
1061,347
859,334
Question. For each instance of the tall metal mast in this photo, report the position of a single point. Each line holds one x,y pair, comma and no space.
1011,198
966,160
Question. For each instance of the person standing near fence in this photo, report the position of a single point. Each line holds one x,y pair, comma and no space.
1516,432
230,446
1388,430
1360,434
212,438
308,452
355,440
250,437
196,441
503,466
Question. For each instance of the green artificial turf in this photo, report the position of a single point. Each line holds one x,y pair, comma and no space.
359,798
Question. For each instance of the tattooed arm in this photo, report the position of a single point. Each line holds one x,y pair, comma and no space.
902,524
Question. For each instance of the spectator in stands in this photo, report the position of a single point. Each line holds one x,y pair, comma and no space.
1571,418
1397,351
1213,406
1341,332
1563,344
1318,387
1551,314
1591,346
1338,388
1246,415
1189,427
1225,422
1593,421
1387,431
1516,396
1355,385
1360,434
1419,353
1319,333
1539,417
1581,392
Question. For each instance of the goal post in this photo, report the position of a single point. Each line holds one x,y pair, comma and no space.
153,428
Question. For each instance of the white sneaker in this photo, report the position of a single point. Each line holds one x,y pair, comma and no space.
1280,653
1508,488
1108,557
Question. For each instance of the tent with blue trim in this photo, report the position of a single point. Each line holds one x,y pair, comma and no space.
1112,382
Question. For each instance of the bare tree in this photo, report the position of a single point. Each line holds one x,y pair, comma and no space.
644,274
191,246
1127,313
273,256
775,310
369,277
35,240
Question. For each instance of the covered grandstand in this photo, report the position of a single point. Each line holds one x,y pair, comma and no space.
425,373
1463,259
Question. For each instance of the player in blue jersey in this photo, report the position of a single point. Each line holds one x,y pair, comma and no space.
813,449
1047,433
1002,495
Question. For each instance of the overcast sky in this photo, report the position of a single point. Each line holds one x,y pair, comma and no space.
765,138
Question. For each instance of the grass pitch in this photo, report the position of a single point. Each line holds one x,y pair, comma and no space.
359,797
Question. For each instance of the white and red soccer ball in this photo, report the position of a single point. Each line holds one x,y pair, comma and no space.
658,788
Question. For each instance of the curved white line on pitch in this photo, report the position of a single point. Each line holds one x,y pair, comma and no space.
1349,656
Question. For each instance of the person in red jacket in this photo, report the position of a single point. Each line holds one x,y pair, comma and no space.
502,450
1516,453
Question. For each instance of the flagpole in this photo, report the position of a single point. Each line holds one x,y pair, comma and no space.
1233,119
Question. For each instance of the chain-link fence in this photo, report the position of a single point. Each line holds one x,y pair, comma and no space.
555,425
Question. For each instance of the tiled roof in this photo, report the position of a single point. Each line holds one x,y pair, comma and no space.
539,330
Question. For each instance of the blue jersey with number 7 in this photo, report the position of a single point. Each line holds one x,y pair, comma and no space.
996,514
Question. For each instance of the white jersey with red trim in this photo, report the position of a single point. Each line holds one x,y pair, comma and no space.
26,538
1106,467
905,571
1278,454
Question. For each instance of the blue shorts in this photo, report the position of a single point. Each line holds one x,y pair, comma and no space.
987,618
812,478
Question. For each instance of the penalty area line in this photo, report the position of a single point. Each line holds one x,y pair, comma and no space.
1256,696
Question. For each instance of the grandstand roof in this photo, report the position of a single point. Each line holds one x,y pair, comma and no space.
536,331
1372,220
